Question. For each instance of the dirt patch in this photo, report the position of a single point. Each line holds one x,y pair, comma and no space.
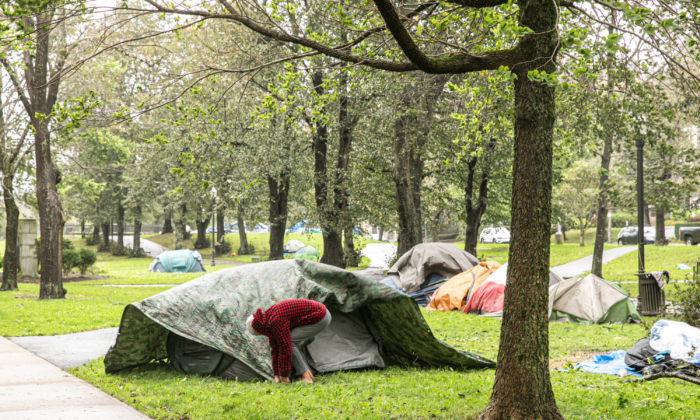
575,357
70,279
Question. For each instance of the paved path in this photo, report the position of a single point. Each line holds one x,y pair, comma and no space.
151,248
583,265
378,254
69,350
33,389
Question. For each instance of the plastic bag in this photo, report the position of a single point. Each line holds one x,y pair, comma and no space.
679,338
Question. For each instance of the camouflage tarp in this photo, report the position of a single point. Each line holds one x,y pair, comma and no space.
212,310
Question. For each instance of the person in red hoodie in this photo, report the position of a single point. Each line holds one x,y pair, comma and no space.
287,324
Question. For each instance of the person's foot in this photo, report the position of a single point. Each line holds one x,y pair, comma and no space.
307,377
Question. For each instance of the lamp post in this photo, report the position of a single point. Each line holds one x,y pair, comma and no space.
213,227
640,202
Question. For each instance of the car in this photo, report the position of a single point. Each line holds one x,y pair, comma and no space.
690,235
498,235
628,236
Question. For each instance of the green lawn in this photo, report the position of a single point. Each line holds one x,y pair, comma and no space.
574,236
405,392
559,254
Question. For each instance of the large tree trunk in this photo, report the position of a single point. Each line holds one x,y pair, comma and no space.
9,269
647,218
660,239
202,223
167,222
381,234
522,388
278,196
242,237
180,226
95,234
220,231
406,169
120,225
105,237
137,230
329,214
475,212
82,229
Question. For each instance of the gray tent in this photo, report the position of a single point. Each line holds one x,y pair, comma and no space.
590,300
410,271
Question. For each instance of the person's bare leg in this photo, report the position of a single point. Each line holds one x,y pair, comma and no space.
307,377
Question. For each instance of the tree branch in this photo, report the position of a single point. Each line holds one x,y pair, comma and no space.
18,85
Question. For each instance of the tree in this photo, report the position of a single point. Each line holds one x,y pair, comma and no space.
578,193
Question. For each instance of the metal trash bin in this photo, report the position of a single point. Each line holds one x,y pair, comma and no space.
652,298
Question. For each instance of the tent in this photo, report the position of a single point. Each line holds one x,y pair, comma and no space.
298,228
182,261
306,253
591,300
293,246
371,323
456,292
488,299
261,228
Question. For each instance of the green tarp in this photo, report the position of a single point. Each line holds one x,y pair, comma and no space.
306,253
212,310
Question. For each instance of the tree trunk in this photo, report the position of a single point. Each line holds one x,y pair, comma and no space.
522,388
180,227
202,224
167,222
9,269
381,234
82,229
475,212
329,214
242,237
647,219
601,209
220,230
581,241
105,237
278,196
137,230
95,234
120,225
409,214
660,239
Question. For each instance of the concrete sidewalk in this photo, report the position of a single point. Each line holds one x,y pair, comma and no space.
583,265
33,389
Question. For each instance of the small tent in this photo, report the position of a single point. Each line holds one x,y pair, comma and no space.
306,253
591,300
205,335
182,261
488,299
456,292
422,270
293,246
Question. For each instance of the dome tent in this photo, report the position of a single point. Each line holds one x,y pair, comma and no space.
293,246
306,253
373,322
591,300
181,261
456,292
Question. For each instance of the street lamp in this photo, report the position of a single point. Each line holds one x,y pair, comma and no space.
213,227
639,141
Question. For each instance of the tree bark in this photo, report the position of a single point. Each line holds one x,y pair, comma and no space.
277,196
202,223
522,387
95,234
660,239
105,237
242,236
167,222
137,230
220,231
406,169
381,234
82,229
120,225
647,219
581,241
180,226
9,269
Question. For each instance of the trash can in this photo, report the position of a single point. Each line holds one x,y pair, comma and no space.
651,299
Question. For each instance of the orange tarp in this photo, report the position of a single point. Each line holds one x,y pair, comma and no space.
453,294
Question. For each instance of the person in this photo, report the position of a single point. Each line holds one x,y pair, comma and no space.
287,324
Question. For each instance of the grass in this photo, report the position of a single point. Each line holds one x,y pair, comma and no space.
559,254
405,392
574,236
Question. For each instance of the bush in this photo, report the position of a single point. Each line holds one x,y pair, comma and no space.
67,244
391,259
619,219
688,301
352,258
119,251
251,249
225,246
88,258
139,253
71,259
90,241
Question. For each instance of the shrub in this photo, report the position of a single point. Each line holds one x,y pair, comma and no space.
67,244
90,241
139,253
352,258
71,260
619,219
225,246
391,259
119,251
251,249
88,258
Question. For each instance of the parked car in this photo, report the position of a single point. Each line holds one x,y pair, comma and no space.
628,236
499,235
690,235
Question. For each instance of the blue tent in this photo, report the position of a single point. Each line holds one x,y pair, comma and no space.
421,296
298,228
182,261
